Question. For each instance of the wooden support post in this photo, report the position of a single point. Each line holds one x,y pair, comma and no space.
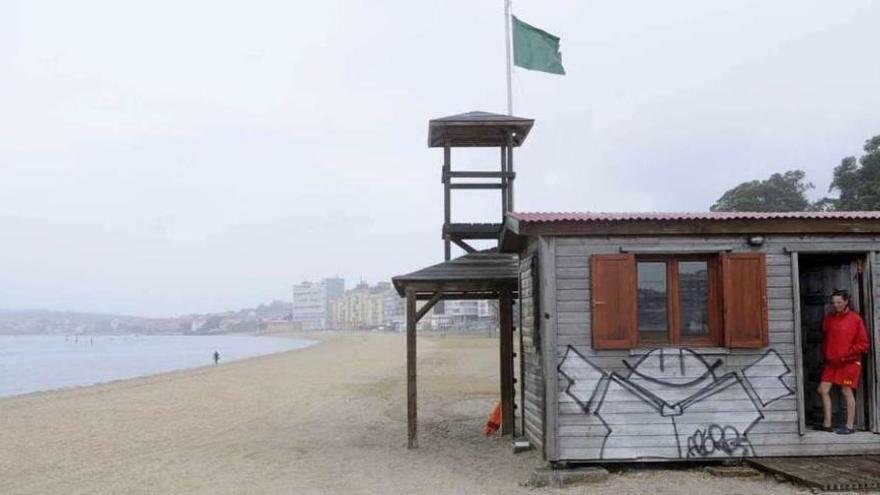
510,170
504,182
428,305
460,243
547,318
447,199
871,318
505,310
411,414
519,349
798,350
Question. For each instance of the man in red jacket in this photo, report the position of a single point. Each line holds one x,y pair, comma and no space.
844,343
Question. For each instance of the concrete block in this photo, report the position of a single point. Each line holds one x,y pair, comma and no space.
561,477
521,445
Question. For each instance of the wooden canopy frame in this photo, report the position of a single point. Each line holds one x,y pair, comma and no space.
484,275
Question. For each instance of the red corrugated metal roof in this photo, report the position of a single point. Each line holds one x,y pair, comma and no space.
673,216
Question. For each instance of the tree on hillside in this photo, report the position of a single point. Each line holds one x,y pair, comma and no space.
781,192
858,182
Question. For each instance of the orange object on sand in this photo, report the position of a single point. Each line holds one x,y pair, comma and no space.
494,421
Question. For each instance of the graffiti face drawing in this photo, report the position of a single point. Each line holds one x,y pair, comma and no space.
672,403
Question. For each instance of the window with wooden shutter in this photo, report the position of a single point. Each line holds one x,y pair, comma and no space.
745,300
613,301
678,300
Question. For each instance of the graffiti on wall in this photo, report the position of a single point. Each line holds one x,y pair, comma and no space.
673,403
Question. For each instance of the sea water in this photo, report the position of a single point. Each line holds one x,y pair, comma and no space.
31,363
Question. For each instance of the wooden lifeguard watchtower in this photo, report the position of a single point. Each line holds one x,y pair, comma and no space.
476,130
477,274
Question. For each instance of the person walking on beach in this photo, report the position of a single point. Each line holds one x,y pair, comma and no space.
845,340
216,358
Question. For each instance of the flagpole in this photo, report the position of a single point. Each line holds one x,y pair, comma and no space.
509,67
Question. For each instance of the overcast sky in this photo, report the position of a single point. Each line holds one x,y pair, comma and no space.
166,157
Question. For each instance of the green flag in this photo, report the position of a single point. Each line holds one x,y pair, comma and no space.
535,49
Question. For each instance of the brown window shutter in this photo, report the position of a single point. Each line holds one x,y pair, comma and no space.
745,300
613,301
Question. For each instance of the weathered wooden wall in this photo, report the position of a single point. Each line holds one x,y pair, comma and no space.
748,408
532,388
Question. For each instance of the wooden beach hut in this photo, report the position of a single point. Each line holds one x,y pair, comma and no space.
689,336
656,336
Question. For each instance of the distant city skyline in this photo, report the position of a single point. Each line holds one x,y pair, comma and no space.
286,297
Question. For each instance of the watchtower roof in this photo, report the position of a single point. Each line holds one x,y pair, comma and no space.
477,129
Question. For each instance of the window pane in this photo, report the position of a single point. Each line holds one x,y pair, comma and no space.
653,321
693,290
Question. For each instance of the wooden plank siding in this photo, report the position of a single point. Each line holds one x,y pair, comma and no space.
596,417
532,388
875,338
547,325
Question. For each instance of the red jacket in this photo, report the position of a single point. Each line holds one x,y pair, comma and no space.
846,338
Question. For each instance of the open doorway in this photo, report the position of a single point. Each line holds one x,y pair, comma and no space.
820,275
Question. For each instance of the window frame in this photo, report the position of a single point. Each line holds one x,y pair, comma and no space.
674,338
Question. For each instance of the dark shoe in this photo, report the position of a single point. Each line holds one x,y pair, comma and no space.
824,428
843,430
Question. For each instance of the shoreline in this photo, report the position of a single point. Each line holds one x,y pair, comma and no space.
318,337
314,342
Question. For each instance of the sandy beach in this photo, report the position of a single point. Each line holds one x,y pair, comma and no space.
327,419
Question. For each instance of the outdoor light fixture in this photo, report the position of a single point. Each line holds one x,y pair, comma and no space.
756,240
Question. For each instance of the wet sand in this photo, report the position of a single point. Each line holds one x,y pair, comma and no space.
327,419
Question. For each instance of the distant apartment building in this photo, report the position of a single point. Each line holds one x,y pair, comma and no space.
394,311
362,307
313,302
466,315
